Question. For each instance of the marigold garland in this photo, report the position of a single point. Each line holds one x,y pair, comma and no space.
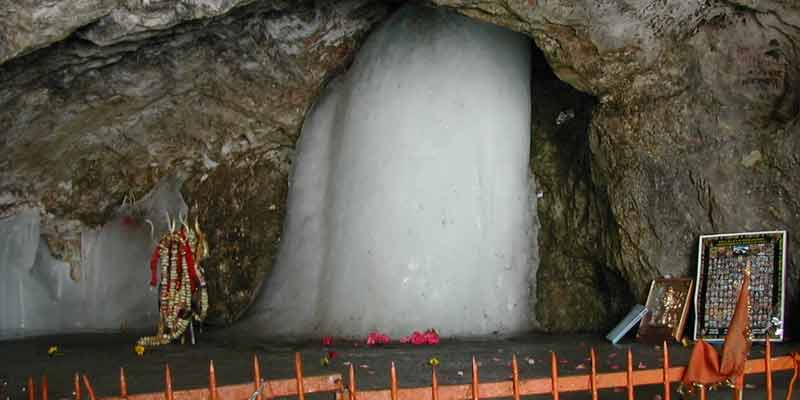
177,256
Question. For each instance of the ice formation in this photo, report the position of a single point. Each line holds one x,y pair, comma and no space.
409,203
37,295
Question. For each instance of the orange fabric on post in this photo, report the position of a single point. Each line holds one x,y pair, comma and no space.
737,341
705,366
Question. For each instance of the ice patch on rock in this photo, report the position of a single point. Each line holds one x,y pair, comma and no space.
37,295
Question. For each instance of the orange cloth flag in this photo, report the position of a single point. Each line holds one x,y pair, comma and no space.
705,365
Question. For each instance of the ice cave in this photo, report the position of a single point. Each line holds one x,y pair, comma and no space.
480,168
303,182
409,202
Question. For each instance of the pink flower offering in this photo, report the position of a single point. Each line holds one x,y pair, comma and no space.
431,336
377,338
418,338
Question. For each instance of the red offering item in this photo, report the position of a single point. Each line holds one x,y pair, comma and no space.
377,338
431,336
417,338
154,267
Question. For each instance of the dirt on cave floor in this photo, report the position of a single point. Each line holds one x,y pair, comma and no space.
101,355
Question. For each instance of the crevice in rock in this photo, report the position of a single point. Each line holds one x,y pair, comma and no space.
578,286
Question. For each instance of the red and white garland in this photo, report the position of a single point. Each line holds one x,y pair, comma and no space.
182,279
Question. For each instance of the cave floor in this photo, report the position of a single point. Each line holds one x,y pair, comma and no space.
101,355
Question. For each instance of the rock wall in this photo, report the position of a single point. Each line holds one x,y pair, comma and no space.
694,131
132,96
576,275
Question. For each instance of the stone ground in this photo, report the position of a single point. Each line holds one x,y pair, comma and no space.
101,355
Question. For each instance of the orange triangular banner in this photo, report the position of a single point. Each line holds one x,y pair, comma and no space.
706,367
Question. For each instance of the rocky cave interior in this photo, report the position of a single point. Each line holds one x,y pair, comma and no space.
650,123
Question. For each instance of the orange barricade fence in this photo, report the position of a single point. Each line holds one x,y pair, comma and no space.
300,385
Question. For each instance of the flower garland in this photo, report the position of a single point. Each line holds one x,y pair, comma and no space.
176,260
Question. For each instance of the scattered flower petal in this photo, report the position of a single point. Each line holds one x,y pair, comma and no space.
749,386
460,373
530,361
614,366
327,341
332,354
580,366
641,365
52,351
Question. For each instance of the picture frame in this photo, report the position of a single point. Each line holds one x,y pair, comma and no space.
720,268
667,310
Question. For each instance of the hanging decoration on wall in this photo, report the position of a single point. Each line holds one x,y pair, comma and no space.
721,265
182,293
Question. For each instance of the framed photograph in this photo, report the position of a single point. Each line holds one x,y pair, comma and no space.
667,307
720,267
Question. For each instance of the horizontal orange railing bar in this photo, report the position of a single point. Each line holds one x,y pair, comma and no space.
282,387
571,383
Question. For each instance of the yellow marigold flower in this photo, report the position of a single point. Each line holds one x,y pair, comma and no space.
139,349
433,361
